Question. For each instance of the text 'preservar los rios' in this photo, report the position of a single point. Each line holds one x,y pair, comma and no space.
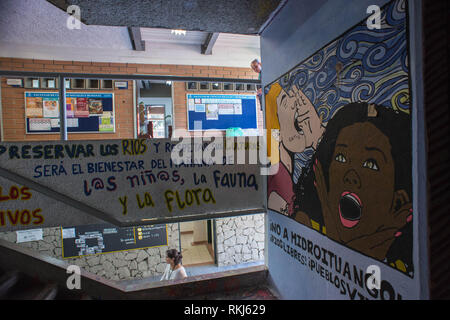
128,179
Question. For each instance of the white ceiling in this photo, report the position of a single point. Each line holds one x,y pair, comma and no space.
152,35
36,29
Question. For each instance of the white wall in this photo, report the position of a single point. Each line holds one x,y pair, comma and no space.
187,227
200,231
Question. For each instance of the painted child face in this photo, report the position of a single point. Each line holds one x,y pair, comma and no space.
361,181
300,126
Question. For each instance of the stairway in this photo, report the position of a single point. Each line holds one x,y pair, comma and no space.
29,275
15,285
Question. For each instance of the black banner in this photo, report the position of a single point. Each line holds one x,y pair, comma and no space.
101,238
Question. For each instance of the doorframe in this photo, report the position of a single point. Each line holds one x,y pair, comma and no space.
166,129
214,239
213,229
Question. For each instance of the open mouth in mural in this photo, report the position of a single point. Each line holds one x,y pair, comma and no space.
350,208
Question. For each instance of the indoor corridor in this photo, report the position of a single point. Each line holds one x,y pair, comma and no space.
195,248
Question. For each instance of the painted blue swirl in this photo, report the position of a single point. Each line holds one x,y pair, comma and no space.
362,65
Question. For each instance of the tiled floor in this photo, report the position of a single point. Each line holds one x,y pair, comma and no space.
260,292
200,270
194,255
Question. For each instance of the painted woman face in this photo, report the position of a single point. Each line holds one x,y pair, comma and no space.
300,126
361,181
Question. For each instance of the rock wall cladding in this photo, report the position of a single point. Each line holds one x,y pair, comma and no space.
240,239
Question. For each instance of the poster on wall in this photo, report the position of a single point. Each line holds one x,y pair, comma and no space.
70,107
81,108
221,111
237,108
50,107
40,124
199,108
54,123
95,107
339,141
106,122
212,112
85,112
226,108
34,107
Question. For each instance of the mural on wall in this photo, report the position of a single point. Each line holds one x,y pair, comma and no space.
341,123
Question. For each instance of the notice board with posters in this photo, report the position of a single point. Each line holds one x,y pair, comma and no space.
85,112
102,238
221,112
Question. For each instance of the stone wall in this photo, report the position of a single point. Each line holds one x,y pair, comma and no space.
124,265
240,239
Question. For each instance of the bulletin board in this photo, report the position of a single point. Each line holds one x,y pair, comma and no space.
221,112
85,112
103,238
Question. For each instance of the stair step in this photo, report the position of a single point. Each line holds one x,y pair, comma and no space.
49,292
8,281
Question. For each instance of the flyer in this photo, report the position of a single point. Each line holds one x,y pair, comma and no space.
72,123
106,122
40,124
95,107
34,107
71,104
29,235
51,84
54,123
82,109
226,109
237,108
50,107
199,108
212,112
68,233
191,105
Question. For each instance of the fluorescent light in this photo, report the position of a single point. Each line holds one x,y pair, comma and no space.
179,32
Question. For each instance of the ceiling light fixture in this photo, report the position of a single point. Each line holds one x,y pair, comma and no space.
179,32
